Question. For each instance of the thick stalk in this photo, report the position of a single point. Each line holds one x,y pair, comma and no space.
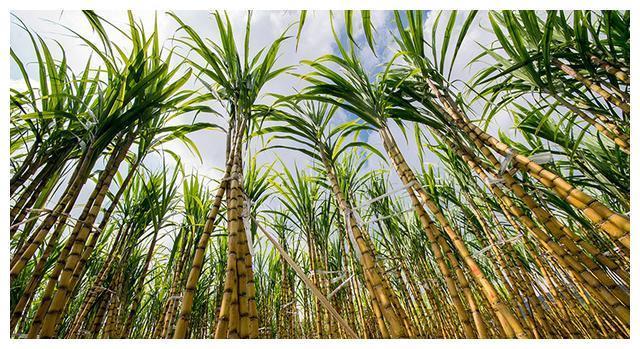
62,295
78,178
370,267
610,69
488,288
614,224
592,86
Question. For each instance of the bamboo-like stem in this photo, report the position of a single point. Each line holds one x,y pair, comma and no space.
307,282
592,86
614,224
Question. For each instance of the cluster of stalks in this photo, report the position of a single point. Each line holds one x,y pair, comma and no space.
521,237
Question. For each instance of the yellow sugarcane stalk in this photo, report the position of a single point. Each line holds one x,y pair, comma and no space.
316,292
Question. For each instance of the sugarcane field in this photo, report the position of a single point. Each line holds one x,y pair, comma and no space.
319,174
